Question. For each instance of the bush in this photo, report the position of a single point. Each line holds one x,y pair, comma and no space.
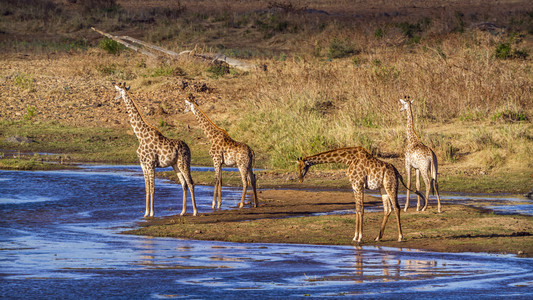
24,81
218,69
111,46
505,51
340,49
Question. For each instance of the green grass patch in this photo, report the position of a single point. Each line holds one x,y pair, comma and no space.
81,143
32,164
111,46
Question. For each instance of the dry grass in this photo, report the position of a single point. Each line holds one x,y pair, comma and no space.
331,81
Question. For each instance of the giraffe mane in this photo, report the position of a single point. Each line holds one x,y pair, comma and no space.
139,112
209,120
329,151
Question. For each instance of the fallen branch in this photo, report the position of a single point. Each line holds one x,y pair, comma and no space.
118,40
207,56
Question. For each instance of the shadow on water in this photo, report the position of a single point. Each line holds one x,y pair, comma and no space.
58,238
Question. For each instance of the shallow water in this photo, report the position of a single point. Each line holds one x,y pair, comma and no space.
59,238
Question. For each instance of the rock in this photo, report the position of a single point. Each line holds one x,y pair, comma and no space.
18,140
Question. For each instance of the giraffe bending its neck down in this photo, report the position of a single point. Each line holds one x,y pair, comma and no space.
364,171
224,150
421,158
155,150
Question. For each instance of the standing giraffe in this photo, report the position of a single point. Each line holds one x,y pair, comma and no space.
364,171
225,150
421,158
157,151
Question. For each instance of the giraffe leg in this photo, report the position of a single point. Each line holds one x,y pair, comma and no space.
390,184
184,188
244,185
218,183
408,169
436,188
427,182
393,195
219,191
251,176
185,173
417,172
359,212
190,184
151,178
147,188
386,214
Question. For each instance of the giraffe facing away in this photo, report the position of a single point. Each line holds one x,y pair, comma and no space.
225,150
157,151
421,158
364,171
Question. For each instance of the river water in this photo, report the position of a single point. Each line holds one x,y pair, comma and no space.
59,238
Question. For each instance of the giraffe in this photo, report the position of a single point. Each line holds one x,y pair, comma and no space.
158,151
421,158
225,150
364,171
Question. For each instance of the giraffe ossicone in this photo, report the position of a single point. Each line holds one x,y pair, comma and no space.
155,150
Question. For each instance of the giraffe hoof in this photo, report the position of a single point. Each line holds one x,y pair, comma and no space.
377,239
195,214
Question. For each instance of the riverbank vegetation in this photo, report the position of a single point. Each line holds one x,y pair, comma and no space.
330,75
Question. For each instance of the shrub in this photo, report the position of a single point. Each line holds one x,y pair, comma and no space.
509,116
162,71
503,51
24,81
218,69
379,33
111,46
340,49
30,113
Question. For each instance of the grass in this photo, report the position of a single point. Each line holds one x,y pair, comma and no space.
81,144
31,164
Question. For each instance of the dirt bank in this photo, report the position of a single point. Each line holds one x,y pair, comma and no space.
458,229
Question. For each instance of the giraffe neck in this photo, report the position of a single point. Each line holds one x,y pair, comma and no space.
412,137
137,121
211,130
342,155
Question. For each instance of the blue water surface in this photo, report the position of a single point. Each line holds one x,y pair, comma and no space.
60,238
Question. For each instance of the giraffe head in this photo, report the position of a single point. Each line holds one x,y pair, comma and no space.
406,104
190,103
121,89
303,167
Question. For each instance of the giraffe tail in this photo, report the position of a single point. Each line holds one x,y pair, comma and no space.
253,167
433,171
401,180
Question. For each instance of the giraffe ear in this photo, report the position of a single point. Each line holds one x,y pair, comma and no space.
127,88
